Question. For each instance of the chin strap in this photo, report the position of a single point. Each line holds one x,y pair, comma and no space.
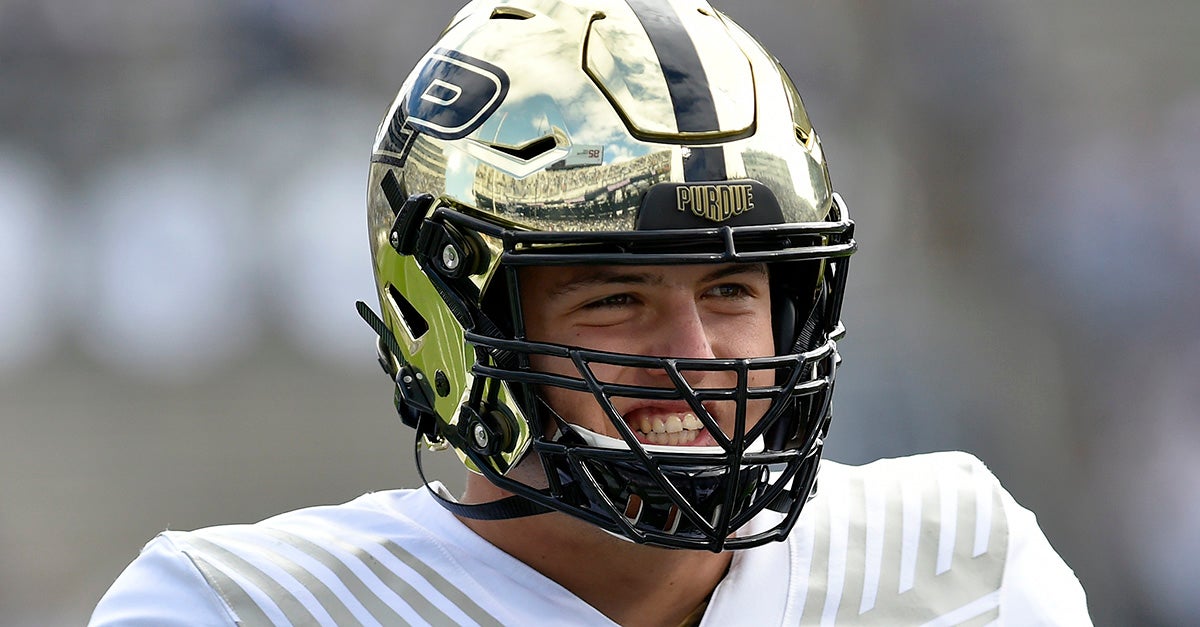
506,508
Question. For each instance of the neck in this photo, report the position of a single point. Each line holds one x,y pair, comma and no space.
632,584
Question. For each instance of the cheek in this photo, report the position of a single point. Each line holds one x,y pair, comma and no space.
748,336
752,337
579,408
555,365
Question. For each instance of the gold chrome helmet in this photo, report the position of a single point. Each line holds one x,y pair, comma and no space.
608,132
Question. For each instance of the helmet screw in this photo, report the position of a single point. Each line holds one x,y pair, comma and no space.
394,239
479,432
441,383
451,257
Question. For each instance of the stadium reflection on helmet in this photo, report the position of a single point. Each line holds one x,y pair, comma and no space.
599,132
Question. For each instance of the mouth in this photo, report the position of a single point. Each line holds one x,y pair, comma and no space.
670,428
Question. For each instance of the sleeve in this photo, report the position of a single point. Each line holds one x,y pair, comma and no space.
1038,587
162,587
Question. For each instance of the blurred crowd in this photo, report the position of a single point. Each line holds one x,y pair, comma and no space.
182,239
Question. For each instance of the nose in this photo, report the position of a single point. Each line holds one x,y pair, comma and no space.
683,334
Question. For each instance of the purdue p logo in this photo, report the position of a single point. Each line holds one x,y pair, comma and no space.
716,203
454,94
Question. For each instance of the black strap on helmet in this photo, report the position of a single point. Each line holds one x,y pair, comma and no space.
503,509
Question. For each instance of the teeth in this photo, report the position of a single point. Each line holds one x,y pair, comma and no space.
672,439
675,423
670,430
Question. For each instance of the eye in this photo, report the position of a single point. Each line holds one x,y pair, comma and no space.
730,290
613,300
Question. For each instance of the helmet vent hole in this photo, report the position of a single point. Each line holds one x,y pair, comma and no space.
531,150
510,13
412,319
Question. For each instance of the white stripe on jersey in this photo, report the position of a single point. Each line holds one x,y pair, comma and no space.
984,487
267,595
911,525
324,590
839,531
803,543
405,580
349,578
948,498
876,517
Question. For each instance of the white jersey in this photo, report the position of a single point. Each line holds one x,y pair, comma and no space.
923,540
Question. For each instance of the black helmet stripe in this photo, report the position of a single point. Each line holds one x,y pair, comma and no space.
695,111
687,83
705,163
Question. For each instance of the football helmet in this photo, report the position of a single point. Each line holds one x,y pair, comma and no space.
606,132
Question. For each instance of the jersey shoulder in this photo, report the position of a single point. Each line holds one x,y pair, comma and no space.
923,538
362,561
161,587
390,558
930,538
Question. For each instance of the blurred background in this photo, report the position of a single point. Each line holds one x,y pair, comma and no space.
182,239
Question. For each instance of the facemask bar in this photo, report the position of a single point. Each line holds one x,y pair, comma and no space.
793,365
728,467
569,461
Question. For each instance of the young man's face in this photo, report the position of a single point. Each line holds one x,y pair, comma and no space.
691,311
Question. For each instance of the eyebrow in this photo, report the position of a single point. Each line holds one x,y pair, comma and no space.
614,277
735,269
